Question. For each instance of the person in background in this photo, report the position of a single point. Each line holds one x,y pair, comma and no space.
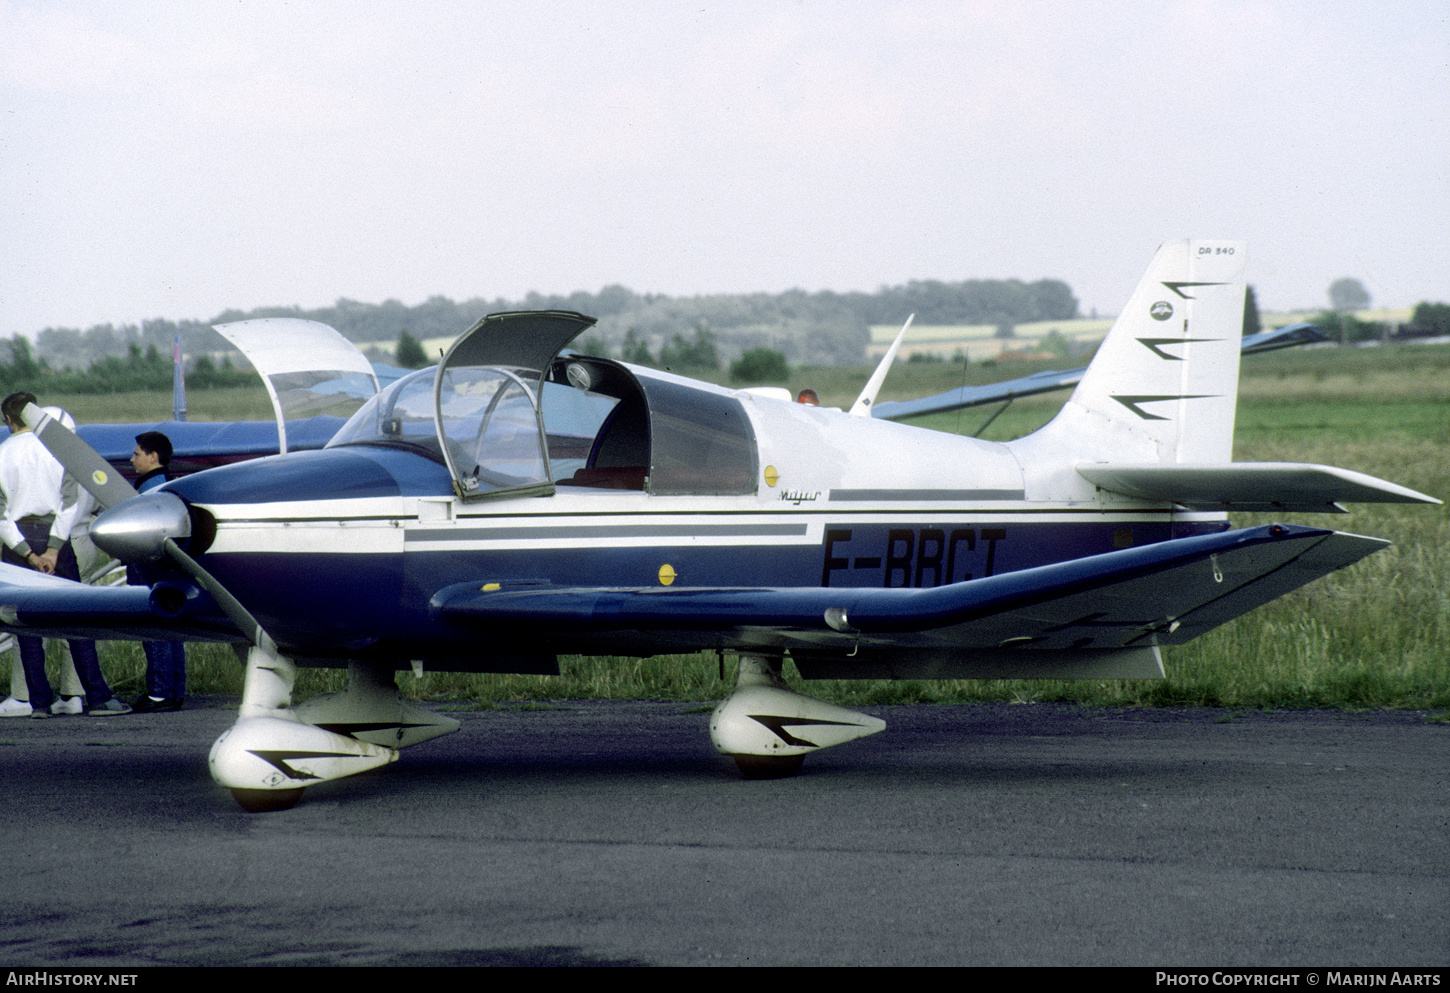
165,660
17,704
38,508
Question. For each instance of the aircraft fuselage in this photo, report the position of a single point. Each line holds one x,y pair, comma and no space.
339,552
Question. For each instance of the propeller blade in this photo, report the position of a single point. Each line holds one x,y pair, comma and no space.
134,533
82,461
229,604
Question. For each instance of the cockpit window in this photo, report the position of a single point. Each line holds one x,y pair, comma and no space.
321,391
490,425
659,435
402,414
700,442
308,368
572,418
603,425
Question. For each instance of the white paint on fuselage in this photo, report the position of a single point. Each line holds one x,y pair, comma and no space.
819,449
605,519
817,468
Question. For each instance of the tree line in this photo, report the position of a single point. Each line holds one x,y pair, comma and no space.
822,328
1426,321
139,369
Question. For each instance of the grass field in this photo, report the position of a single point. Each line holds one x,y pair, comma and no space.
1374,635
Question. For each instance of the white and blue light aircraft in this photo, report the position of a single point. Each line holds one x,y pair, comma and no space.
520,502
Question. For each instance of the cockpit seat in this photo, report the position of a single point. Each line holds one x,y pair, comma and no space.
620,477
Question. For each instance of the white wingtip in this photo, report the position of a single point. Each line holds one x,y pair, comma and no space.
862,406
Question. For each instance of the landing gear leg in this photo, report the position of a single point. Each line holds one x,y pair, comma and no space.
370,709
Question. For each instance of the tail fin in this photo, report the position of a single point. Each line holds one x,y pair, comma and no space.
178,382
1164,384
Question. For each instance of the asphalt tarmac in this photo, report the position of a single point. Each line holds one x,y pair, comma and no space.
612,834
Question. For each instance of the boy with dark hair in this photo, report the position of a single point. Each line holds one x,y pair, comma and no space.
157,445
165,660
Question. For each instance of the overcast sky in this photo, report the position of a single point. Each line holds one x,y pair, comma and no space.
163,159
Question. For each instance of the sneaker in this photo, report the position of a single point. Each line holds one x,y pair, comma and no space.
151,705
68,705
111,708
39,715
11,707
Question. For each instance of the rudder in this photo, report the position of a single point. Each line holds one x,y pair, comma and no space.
1163,386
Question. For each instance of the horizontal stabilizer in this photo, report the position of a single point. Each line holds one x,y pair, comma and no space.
1261,486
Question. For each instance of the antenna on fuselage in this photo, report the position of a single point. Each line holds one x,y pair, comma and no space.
862,406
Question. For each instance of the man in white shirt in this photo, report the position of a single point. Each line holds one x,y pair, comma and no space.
17,704
38,510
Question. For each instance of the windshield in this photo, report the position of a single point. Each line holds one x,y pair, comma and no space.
488,427
402,414
491,425
308,368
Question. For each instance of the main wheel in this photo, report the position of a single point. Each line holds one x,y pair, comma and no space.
267,801
769,766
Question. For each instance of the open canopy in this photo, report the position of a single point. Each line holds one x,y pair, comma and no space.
308,368
510,416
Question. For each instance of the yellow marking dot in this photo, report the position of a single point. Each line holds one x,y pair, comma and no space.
488,587
771,476
99,477
667,574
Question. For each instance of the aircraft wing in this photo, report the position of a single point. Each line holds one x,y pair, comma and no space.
1165,593
1290,336
35,604
977,396
201,445
1047,382
1171,591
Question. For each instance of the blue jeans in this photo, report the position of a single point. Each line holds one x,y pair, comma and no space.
165,669
32,649
165,660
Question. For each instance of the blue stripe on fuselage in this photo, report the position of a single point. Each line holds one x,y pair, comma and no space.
910,553
343,604
331,605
